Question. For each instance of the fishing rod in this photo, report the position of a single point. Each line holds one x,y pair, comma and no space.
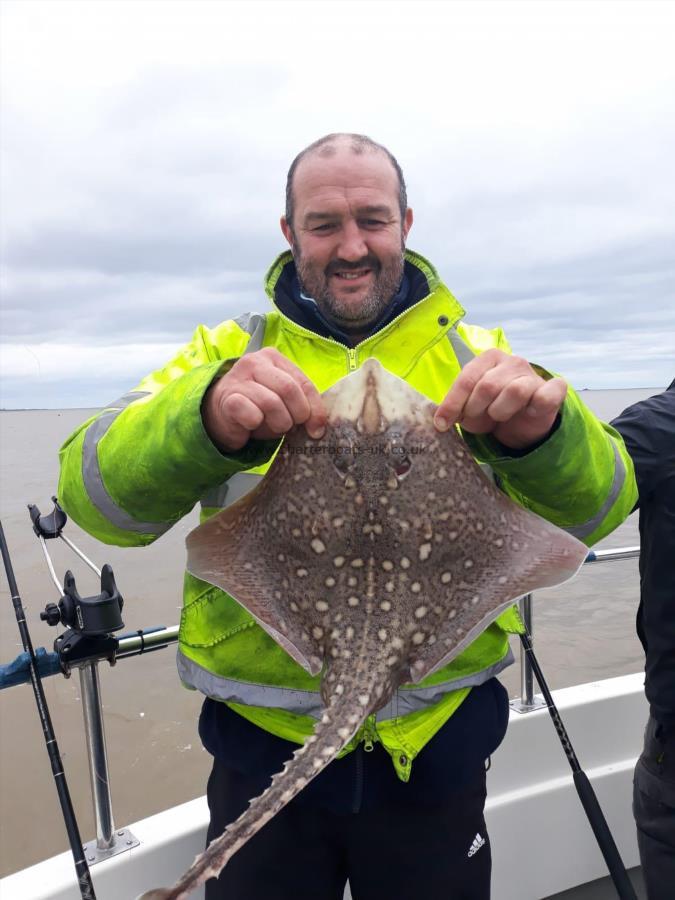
589,801
81,868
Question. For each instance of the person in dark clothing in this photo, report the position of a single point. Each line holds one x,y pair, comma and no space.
648,429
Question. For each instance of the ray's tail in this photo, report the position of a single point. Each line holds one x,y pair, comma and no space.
339,724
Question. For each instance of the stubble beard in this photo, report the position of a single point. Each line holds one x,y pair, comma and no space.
351,319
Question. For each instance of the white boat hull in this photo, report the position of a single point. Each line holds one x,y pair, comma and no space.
541,840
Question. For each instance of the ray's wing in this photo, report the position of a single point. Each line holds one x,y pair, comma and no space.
486,552
272,550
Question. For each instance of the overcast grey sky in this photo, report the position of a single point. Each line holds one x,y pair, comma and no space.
145,146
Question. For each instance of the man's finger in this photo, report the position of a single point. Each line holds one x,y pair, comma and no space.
272,411
451,409
315,420
512,398
287,389
548,398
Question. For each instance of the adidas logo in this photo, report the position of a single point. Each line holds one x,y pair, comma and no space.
478,842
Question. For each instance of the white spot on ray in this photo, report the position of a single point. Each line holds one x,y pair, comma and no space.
425,550
318,546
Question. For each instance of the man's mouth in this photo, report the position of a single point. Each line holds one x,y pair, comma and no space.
351,275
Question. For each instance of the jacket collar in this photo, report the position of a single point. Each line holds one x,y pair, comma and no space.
420,279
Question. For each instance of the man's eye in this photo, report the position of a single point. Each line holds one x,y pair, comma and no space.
372,223
326,226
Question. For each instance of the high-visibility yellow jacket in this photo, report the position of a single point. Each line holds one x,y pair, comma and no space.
129,473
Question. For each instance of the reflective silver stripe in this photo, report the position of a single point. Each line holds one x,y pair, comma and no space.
229,491
588,527
254,324
309,703
91,472
462,351
408,700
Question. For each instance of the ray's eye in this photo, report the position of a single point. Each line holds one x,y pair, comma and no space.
402,466
343,453
399,459
343,461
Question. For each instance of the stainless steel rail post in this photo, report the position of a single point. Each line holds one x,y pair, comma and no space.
98,758
528,700
109,842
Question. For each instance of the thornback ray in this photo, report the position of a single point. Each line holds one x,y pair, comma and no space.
373,556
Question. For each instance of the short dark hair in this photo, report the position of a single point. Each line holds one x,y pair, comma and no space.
325,146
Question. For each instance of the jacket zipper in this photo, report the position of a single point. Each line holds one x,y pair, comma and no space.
358,780
352,356
370,738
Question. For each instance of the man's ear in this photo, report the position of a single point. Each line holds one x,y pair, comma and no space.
287,232
407,222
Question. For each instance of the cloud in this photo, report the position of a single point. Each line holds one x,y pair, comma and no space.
144,157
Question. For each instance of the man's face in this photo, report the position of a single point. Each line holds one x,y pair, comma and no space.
347,236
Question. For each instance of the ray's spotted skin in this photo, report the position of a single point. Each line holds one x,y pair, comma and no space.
374,556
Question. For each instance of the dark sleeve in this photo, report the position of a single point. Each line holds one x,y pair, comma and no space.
648,430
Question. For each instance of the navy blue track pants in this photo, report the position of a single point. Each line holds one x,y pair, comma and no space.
395,852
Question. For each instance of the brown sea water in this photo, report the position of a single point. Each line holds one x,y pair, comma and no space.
584,631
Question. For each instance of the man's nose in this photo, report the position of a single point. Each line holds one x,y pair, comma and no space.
352,243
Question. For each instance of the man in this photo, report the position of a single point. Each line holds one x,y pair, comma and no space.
401,814
648,428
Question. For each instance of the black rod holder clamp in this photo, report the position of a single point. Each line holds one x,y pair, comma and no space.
90,621
51,525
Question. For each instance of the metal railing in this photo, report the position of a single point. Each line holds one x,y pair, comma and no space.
528,699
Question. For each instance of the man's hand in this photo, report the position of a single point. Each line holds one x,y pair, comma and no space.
502,395
262,396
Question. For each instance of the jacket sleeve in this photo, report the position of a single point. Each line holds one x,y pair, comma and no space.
647,428
580,478
137,467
